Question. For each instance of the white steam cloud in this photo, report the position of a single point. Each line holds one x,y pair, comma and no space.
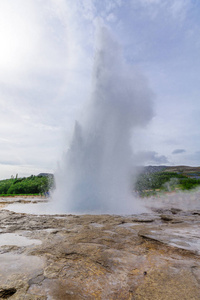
96,174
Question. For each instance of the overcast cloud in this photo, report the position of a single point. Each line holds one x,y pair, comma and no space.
46,57
178,151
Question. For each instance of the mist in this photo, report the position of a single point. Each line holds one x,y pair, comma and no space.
97,172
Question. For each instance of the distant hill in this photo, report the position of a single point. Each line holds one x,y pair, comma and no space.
184,170
153,169
193,172
45,175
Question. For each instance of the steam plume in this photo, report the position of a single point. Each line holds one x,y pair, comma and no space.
96,172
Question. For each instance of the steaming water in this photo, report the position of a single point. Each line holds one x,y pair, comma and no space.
97,172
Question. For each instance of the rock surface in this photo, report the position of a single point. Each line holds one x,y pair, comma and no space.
151,256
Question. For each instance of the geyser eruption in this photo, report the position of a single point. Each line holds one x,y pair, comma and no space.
96,174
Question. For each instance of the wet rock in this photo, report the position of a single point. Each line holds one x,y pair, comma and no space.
196,212
6,293
166,218
100,256
183,237
36,280
175,210
142,220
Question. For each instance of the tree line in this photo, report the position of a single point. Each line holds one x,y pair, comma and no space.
26,185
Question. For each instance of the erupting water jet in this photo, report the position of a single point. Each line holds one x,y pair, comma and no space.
96,174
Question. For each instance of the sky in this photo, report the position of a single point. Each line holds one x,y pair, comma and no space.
47,50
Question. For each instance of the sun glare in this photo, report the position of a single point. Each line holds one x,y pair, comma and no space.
18,38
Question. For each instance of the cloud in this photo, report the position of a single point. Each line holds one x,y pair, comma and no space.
152,157
179,8
44,74
194,158
175,7
176,10
10,162
178,151
29,43
46,57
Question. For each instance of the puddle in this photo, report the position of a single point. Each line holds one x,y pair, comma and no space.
16,264
110,232
31,208
191,245
192,231
42,208
127,225
7,239
187,238
49,230
96,225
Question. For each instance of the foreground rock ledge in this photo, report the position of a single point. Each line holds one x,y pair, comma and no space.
100,256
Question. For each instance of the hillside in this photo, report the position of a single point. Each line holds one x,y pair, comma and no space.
155,179
188,171
185,170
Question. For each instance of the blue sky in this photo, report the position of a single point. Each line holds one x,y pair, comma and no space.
46,58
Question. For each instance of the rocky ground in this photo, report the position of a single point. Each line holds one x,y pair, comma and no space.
151,256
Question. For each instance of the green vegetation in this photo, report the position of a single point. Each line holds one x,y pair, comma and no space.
151,183
147,184
32,185
189,183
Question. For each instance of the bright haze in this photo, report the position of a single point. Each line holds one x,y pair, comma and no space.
46,60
